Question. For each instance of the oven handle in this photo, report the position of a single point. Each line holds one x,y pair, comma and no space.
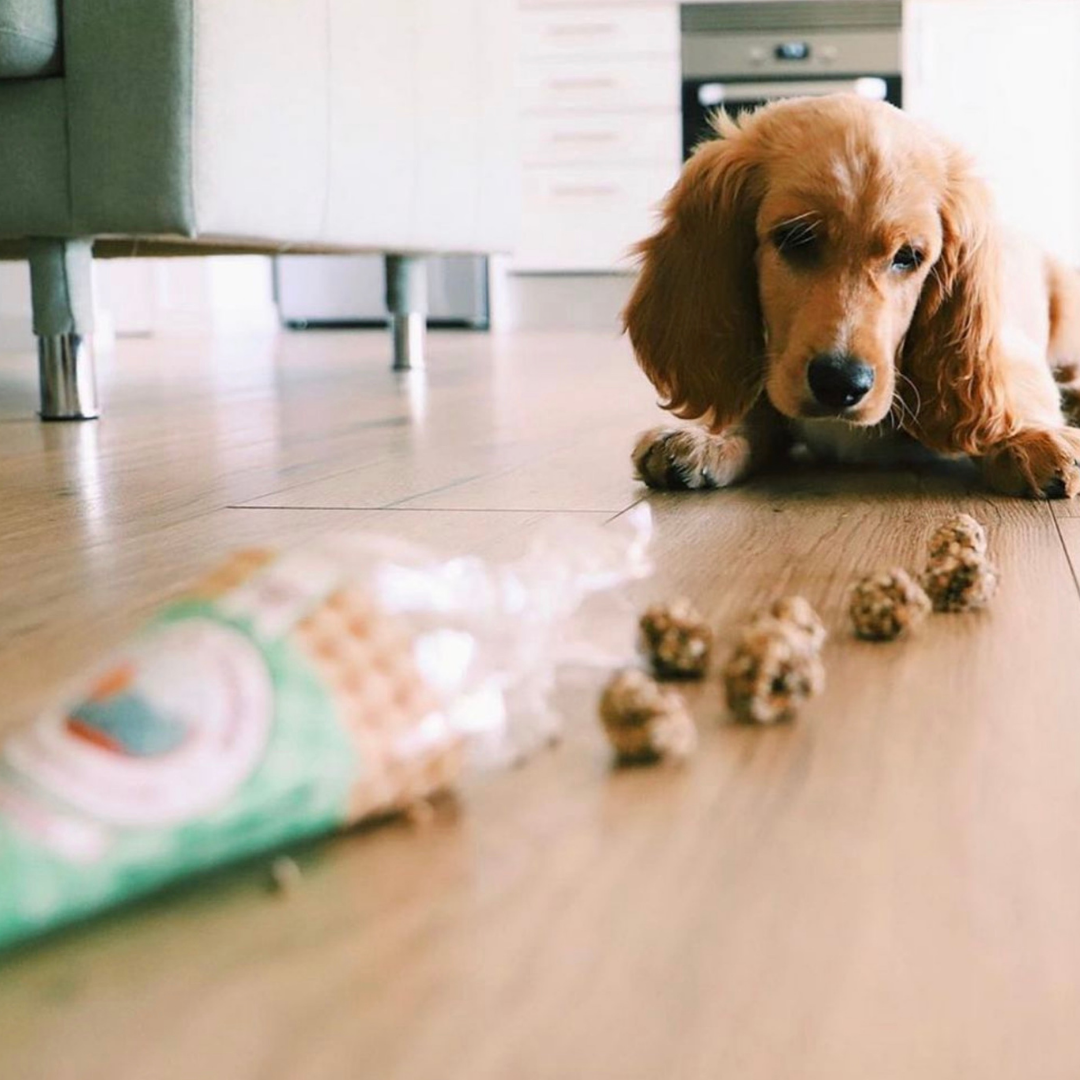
717,93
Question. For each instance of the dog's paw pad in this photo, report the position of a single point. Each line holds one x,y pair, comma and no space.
672,459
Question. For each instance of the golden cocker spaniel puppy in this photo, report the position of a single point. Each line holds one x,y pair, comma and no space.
830,272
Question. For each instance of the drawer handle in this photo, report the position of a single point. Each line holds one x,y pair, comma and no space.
581,29
574,191
581,84
584,137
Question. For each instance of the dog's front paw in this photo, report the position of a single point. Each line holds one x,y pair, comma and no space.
677,459
1040,464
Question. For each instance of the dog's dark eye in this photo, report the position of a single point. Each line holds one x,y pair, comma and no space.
796,241
907,259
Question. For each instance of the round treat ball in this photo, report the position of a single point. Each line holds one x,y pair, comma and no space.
676,639
963,580
643,721
960,533
798,612
774,669
884,605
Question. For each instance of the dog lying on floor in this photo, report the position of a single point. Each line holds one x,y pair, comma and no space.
830,272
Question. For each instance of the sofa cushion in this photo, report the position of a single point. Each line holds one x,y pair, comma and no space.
29,38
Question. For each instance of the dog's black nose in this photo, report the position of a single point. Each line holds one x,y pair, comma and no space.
839,381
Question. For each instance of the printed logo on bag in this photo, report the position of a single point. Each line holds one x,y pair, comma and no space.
168,731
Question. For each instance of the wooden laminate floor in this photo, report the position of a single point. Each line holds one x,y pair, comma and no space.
888,888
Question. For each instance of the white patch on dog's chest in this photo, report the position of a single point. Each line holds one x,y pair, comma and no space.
835,440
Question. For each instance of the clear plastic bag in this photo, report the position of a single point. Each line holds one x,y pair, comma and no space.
291,694
492,636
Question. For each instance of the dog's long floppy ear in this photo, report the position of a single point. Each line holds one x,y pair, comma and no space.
956,389
694,317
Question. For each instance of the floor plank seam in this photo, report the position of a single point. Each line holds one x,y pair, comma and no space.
327,478
397,509
283,506
1065,549
443,487
625,510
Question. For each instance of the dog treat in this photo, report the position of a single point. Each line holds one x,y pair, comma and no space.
643,720
885,605
960,580
798,612
960,533
959,576
775,668
676,639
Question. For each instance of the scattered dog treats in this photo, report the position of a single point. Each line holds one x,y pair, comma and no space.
960,533
963,580
796,611
676,639
883,606
774,669
643,720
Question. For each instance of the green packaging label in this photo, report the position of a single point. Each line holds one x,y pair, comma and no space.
207,739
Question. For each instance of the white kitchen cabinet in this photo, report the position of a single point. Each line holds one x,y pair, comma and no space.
1003,79
600,211
590,138
557,32
599,85
600,130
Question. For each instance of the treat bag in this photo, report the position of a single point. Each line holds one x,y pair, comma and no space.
285,696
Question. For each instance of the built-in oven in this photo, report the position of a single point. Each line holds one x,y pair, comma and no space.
740,55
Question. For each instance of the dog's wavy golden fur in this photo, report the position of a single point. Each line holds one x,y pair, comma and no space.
840,227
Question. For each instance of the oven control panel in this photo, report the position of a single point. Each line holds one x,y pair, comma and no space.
786,55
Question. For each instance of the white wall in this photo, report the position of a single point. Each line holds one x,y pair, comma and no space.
221,294
1003,79
15,307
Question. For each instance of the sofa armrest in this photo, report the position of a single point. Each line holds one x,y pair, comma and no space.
128,75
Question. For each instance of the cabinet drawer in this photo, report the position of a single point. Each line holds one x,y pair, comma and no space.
587,218
580,138
599,31
600,85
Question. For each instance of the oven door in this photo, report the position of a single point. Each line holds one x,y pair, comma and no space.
704,97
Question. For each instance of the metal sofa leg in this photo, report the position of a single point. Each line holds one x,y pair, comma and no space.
66,370
60,282
406,300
